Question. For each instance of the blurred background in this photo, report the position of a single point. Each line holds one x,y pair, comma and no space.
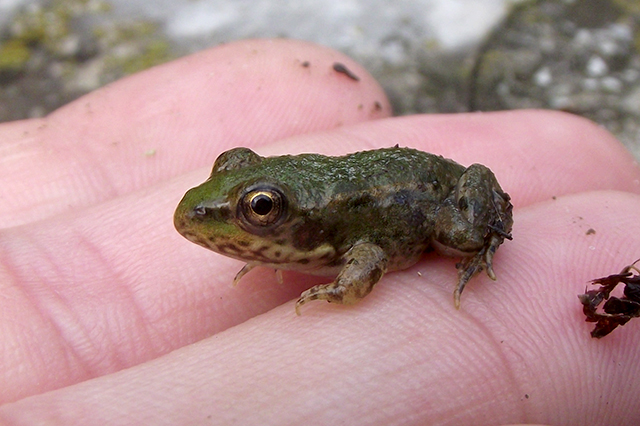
579,56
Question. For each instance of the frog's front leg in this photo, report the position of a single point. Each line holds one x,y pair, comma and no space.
365,264
473,221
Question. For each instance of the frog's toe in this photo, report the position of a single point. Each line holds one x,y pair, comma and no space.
242,272
468,268
487,263
490,273
332,293
495,242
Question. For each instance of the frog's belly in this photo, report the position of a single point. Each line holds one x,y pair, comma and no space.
320,270
323,269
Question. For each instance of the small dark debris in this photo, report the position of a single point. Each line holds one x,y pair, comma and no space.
591,231
306,64
616,310
341,68
377,106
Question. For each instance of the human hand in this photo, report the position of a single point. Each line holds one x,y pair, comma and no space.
126,322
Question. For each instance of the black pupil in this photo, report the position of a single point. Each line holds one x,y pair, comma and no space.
261,204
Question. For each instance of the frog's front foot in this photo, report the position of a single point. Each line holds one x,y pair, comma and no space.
365,264
469,267
475,220
498,228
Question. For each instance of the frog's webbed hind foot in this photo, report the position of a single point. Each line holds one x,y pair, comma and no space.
366,263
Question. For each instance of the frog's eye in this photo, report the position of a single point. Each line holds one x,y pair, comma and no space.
262,206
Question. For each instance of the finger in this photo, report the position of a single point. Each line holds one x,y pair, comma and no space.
113,286
519,351
149,127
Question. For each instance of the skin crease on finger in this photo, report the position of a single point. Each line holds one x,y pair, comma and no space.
142,308
518,351
142,123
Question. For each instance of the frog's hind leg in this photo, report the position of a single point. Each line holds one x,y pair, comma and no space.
366,264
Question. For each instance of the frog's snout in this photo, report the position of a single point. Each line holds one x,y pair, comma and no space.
215,210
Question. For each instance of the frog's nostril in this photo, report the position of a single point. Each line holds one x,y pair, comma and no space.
198,211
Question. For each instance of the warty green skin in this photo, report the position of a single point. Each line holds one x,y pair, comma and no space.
357,216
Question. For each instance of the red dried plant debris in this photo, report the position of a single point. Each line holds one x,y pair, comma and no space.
616,310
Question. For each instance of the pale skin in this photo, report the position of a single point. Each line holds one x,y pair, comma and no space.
108,316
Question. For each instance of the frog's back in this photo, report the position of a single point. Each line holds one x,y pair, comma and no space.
318,180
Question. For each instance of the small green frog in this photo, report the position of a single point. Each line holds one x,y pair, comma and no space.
357,216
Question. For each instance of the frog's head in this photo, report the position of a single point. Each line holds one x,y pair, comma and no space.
241,211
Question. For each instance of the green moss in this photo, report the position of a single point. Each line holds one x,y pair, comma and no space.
629,6
60,45
631,12
48,26
144,44
14,55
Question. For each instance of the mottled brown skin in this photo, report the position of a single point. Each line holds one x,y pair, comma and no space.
358,216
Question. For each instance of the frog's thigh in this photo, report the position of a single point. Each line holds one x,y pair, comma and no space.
366,263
